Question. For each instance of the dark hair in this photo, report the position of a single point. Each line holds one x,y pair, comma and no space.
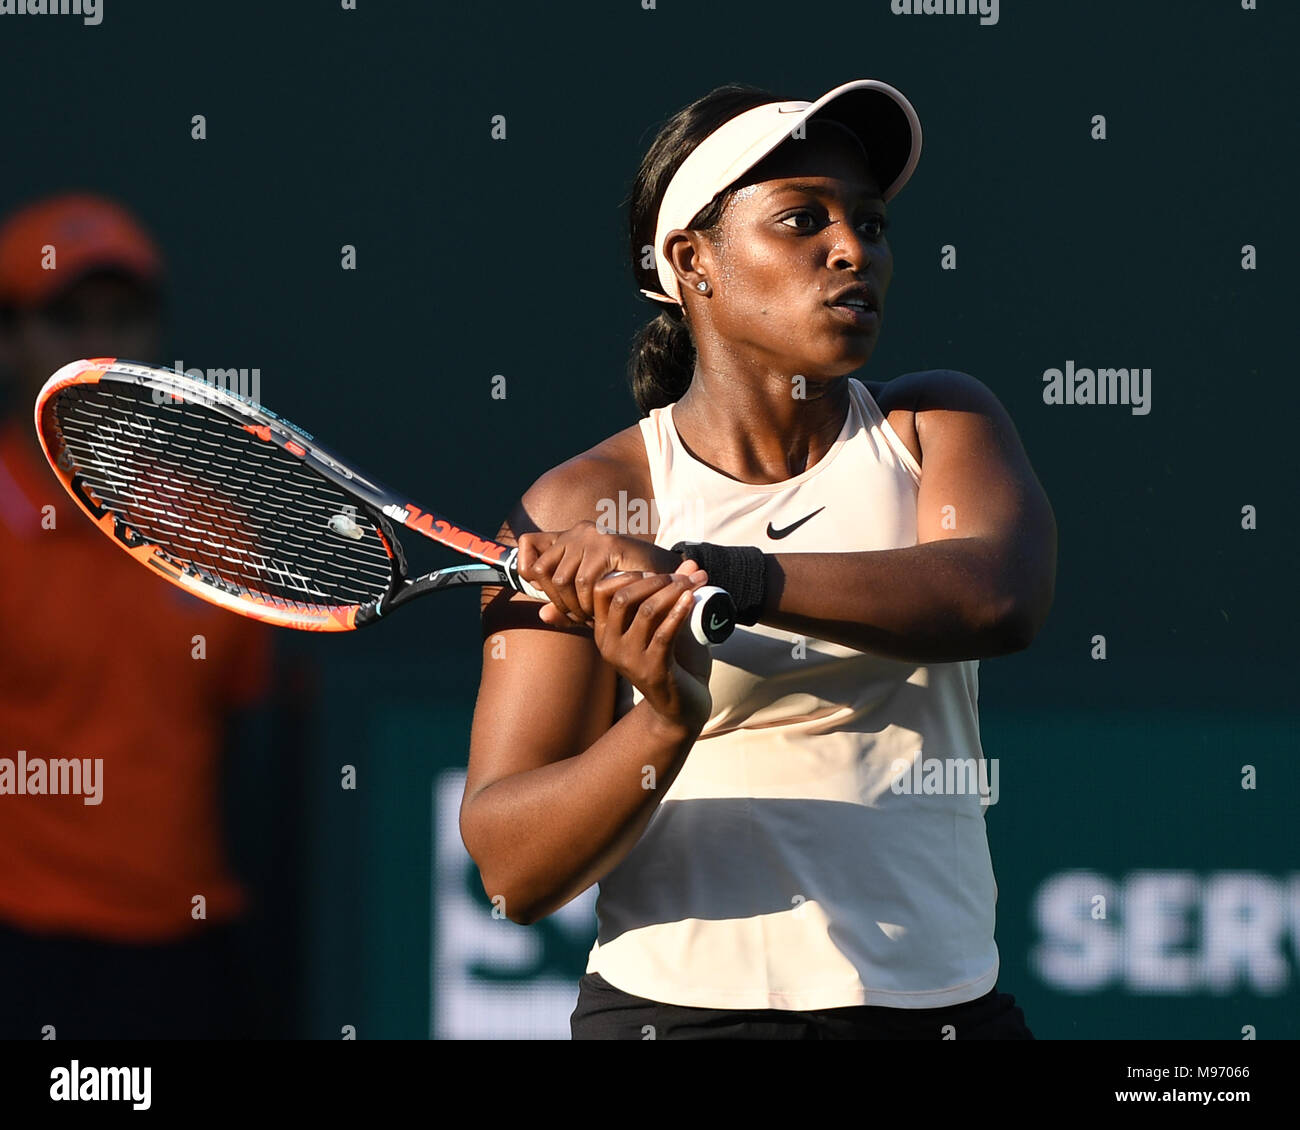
663,354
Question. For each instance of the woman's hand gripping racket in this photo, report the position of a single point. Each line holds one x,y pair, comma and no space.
236,505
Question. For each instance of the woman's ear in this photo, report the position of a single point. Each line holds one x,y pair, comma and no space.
689,257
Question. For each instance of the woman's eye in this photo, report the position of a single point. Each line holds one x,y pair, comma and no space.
877,224
795,216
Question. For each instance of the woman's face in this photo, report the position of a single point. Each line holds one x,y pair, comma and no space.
802,225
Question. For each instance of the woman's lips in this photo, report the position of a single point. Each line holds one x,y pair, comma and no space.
857,316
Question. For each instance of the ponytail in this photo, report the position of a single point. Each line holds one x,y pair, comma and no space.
662,361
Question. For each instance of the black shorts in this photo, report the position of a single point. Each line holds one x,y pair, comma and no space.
606,1013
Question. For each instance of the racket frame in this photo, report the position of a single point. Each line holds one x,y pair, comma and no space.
494,562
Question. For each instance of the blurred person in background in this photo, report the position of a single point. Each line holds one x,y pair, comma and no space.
116,909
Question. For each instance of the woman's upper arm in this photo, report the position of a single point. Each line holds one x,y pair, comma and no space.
545,693
977,482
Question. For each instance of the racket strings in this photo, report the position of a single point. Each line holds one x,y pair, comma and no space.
218,501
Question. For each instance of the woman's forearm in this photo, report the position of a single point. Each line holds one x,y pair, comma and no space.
941,601
543,836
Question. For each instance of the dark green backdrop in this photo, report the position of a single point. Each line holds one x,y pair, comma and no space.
479,257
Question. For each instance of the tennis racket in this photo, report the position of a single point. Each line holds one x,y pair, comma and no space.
233,503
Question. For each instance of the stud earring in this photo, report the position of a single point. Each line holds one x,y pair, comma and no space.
702,286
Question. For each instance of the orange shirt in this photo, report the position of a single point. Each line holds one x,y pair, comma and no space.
96,662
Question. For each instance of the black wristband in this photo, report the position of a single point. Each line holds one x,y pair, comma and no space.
740,569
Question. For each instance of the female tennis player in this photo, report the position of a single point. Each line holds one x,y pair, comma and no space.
769,863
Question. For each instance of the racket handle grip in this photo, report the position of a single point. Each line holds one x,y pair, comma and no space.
713,617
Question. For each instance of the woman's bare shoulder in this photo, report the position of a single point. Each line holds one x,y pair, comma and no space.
579,489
